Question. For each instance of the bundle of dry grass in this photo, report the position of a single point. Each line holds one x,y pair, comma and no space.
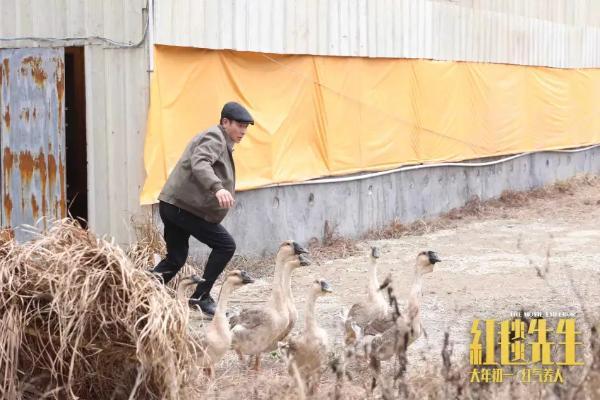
149,243
149,248
78,319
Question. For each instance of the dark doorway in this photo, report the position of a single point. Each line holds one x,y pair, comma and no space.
76,154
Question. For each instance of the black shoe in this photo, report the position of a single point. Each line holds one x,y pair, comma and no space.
206,304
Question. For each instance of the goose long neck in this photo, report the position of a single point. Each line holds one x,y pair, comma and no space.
417,285
278,293
286,282
310,323
373,281
224,295
414,297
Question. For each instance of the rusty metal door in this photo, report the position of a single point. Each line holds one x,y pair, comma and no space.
32,137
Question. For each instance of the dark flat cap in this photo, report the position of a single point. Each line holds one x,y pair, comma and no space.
236,112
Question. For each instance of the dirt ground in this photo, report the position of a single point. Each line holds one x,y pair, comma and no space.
540,256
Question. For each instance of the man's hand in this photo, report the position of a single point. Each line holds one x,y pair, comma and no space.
225,198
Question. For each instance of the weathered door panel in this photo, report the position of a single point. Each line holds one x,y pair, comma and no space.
32,137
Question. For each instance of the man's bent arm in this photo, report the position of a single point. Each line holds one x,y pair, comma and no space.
207,151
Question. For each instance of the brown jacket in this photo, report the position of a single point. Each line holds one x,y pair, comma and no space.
205,167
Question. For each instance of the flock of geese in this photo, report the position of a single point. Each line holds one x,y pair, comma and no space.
375,325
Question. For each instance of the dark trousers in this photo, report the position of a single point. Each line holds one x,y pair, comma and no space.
179,226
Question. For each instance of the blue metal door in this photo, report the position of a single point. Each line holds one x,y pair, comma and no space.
32,137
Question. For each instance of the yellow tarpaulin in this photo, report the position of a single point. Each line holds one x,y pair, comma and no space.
318,116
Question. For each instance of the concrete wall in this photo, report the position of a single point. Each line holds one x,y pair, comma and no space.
264,217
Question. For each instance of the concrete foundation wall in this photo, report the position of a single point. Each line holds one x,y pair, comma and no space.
262,218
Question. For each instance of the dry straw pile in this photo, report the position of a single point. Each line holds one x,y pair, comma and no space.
79,319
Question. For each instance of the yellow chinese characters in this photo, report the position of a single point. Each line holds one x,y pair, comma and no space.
513,343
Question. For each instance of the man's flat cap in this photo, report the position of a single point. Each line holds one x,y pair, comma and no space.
237,112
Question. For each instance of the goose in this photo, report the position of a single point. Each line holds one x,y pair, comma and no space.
393,334
286,284
307,352
216,338
372,308
184,283
257,329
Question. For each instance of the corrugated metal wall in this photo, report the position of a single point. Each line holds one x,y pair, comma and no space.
114,19
117,91
562,34
558,33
